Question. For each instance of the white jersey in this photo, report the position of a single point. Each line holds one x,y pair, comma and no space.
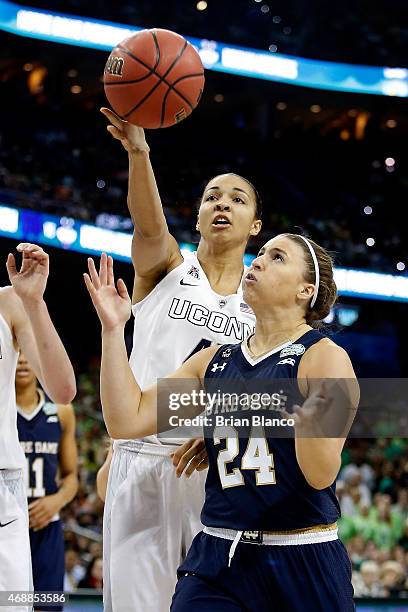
11,454
181,316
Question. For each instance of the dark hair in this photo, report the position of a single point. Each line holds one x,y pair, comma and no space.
258,200
327,293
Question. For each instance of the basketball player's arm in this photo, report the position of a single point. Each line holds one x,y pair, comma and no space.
34,333
103,474
42,511
128,411
331,388
68,457
154,251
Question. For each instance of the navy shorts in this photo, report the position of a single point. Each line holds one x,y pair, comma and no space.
47,553
264,578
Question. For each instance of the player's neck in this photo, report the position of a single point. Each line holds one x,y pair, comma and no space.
277,330
223,267
28,398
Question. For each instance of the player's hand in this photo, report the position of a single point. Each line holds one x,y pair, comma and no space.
30,281
131,136
41,511
112,303
190,456
308,417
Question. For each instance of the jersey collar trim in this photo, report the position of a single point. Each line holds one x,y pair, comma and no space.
254,361
33,414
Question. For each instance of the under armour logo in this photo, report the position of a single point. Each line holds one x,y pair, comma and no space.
288,361
252,537
218,367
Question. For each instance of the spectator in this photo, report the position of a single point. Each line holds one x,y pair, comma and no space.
74,571
93,576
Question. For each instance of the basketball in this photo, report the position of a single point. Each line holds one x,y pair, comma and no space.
154,79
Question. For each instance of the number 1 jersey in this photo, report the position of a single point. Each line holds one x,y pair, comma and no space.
40,436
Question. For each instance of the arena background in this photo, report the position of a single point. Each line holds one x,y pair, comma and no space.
332,163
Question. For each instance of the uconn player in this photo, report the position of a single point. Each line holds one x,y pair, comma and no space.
270,538
182,302
24,323
47,436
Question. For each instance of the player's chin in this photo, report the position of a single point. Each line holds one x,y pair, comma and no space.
249,291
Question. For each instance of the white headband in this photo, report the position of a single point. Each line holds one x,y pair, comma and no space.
316,268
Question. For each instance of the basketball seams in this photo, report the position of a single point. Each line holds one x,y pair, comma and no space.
171,85
180,95
162,79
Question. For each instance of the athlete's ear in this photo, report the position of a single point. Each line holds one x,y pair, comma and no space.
197,225
305,292
255,228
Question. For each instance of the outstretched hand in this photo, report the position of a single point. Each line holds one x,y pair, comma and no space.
30,281
310,417
112,303
131,136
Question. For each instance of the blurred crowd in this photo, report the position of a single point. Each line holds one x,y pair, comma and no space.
82,518
373,493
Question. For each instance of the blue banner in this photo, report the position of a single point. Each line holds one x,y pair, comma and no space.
73,235
104,35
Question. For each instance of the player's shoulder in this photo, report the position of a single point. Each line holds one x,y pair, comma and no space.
66,414
325,355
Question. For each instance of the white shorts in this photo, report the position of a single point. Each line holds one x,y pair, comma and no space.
15,555
150,520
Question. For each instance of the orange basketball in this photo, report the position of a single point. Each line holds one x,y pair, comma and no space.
154,79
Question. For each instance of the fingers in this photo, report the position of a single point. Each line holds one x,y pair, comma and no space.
122,289
89,285
93,273
116,133
34,504
196,449
11,265
112,117
203,465
110,275
177,455
32,251
195,462
103,269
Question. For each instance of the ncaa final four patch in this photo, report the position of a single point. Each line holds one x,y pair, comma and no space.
293,349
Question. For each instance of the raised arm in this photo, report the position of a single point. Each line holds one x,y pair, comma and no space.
32,325
154,251
128,411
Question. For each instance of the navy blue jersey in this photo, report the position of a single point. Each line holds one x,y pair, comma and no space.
40,436
254,481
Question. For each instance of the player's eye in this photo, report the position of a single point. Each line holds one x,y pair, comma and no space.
278,257
210,198
238,199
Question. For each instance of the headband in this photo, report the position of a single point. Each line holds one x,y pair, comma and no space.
316,268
